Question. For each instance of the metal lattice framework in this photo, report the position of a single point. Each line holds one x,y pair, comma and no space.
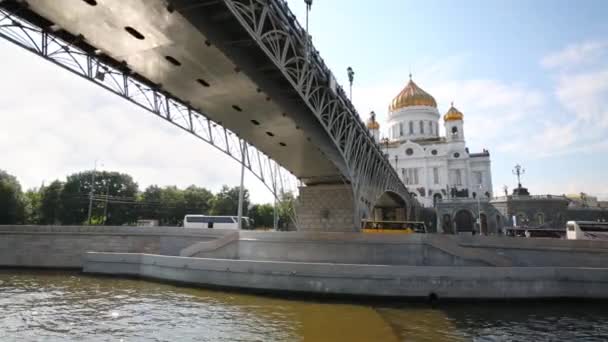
110,76
275,29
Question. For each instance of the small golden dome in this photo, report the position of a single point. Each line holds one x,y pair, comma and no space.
412,95
372,123
453,114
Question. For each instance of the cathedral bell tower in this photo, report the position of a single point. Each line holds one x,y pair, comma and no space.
374,127
453,121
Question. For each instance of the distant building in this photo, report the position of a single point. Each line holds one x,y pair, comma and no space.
582,200
433,167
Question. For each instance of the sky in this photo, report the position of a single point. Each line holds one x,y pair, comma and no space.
531,78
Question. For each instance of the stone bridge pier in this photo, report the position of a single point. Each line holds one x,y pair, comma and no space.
330,208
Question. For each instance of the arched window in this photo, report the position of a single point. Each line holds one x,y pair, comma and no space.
401,129
411,127
454,131
421,127
431,127
540,218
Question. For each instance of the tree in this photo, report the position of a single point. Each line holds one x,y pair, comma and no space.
12,210
286,208
50,203
262,215
169,205
150,206
172,200
198,200
226,202
31,201
116,190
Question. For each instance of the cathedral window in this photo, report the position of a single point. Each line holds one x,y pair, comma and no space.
435,175
401,129
454,131
434,152
421,127
410,176
431,127
411,127
540,218
456,177
477,178
409,151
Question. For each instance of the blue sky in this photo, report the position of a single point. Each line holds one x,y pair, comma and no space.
531,78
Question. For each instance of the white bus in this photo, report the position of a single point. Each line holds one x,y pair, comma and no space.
587,230
222,222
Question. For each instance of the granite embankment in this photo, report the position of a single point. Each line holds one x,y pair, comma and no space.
337,263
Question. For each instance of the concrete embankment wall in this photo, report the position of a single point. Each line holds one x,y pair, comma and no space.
338,263
64,246
366,280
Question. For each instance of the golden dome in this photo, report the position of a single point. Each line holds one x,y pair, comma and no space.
372,123
412,95
453,114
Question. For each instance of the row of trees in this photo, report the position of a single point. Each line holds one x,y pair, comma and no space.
118,201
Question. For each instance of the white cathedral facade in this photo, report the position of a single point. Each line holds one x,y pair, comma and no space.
433,167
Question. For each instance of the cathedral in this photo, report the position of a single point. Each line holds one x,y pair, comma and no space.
433,167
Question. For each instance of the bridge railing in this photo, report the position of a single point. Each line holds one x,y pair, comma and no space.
304,39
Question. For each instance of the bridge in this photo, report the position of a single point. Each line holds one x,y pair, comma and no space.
241,75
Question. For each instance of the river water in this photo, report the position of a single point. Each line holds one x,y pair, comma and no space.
64,306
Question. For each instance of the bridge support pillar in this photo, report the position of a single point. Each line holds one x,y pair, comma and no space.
328,208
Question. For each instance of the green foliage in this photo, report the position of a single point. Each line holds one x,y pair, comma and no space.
118,188
12,210
50,203
286,208
169,205
262,215
116,201
31,202
227,200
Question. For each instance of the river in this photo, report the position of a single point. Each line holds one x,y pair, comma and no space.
69,306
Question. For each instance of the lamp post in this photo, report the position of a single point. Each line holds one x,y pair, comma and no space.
518,171
351,78
241,188
308,6
385,142
479,209
91,193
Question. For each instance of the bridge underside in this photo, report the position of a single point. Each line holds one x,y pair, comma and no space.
199,53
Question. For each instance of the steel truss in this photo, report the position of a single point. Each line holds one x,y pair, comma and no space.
275,29
120,81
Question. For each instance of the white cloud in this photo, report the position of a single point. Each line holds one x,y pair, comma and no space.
576,54
53,123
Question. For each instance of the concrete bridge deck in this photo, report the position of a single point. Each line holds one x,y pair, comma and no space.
329,263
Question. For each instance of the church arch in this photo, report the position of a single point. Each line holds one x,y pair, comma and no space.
436,199
463,221
446,224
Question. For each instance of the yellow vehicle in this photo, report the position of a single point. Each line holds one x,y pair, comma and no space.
393,227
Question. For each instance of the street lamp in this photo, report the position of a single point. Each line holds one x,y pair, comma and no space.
308,6
385,142
92,192
479,209
351,78
518,171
